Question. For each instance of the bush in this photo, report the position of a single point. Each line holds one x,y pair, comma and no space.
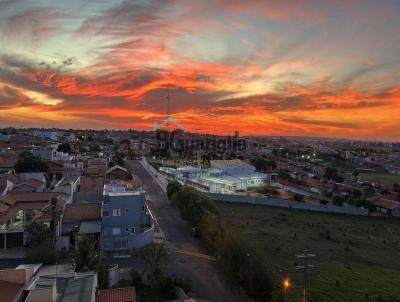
102,273
41,253
27,162
337,201
248,269
172,188
193,205
298,197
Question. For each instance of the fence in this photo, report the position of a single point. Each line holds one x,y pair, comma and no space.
276,202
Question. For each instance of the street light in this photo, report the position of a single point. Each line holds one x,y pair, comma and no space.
285,287
286,284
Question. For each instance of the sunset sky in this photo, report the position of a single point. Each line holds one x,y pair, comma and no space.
310,68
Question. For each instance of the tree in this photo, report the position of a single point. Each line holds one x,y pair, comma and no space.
337,201
85,257
38,233
298,197
43,252
102,273
172,188
357,193
263,164
193,205
28,162
396,187
64,147
330,172
285,175
154,256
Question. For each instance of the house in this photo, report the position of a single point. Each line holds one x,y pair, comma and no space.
73,169
127,222
118,172
77,216
96,167
68,185
49,152
63,287
6,183
30,185
387,206
46,134
13,282
55,169
125,294
18,209
7,162
24,182
91,189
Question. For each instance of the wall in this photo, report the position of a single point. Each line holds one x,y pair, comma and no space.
276,202
132,215
19,276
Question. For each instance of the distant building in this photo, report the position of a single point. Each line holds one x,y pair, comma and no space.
387,206
118,173
54,135
224,176
50,153
127,222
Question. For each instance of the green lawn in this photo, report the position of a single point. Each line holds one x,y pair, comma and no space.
382,177
355,255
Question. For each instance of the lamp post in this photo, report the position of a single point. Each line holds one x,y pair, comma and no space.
285,287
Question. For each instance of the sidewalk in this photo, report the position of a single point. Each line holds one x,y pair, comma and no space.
158,178
159,236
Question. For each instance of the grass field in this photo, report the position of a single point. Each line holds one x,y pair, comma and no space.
382,177
357,257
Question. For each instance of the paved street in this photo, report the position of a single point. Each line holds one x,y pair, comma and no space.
188,256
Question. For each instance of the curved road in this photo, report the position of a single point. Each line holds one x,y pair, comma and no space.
188,256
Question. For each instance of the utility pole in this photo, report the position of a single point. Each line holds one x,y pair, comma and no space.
168,101
305,256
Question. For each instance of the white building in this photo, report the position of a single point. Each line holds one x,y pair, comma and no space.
225,176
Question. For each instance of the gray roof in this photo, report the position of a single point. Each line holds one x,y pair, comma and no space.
72,287
90,227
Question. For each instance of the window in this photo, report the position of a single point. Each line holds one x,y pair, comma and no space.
126,210
116,212
106,213
132,231
116,231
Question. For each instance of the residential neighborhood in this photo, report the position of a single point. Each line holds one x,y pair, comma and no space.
102,194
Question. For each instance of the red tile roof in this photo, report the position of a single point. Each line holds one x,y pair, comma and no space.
126,294
76,212
92,183
386,203
8,290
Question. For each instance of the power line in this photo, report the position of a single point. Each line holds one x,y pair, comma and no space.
305,256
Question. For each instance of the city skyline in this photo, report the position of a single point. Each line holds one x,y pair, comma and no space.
304,68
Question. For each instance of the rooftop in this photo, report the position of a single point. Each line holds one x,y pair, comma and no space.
77,212
126,294
92,183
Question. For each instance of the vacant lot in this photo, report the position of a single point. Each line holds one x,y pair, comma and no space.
357,257
384,178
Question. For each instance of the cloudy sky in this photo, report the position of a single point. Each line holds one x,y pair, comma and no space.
312,67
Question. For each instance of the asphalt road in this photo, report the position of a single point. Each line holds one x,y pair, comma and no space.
188,256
